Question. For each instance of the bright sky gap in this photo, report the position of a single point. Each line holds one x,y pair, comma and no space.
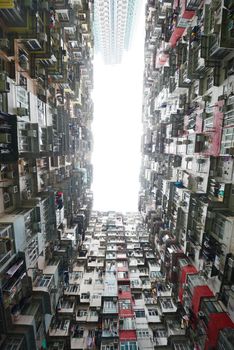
117,127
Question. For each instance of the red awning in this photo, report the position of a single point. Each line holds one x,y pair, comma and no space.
198,293
188,14
176,35
127,335
124,294
188,269
126,313
217,322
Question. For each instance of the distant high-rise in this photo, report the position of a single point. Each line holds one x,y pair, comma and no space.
113,25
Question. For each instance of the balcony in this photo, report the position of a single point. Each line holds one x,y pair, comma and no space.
15,283
16,342
218,24
154,266
15,16
44,283
6,243
153,315
85,297
81,314
109,328
146,284
125,308
160,337
110,307
82,337
149,298
174,327
135,284
106,345
59,328
65,306
8,138
31,315
167,305
92,316
126,324
110,286
143,272
123,276
96,300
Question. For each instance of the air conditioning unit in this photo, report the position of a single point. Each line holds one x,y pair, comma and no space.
32,133
45,5
5,138
14,189
231,262
56,36
4,246
4,44
4,86
42,36
210,214
34,169
10,174
41,71
21,111
37,226
34,44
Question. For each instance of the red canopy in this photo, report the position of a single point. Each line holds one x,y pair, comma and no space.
198,293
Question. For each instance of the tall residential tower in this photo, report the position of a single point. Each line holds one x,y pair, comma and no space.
113,24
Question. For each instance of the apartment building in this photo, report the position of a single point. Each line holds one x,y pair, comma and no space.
114,23
123,298
46,111
186,195
72,278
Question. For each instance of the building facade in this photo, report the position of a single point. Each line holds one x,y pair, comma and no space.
113,24
186,195
72,278
46,52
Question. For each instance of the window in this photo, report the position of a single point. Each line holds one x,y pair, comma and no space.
125,288
122,274
78,332
82,313
109,304
127,323
34,44
93,313
96,296
98,282
181,347
210,81
125,304
143,333
85,296
153,312
131,345
89,281
140,313
160,333
218,226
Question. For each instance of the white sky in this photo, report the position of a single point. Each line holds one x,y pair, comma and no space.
117,127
